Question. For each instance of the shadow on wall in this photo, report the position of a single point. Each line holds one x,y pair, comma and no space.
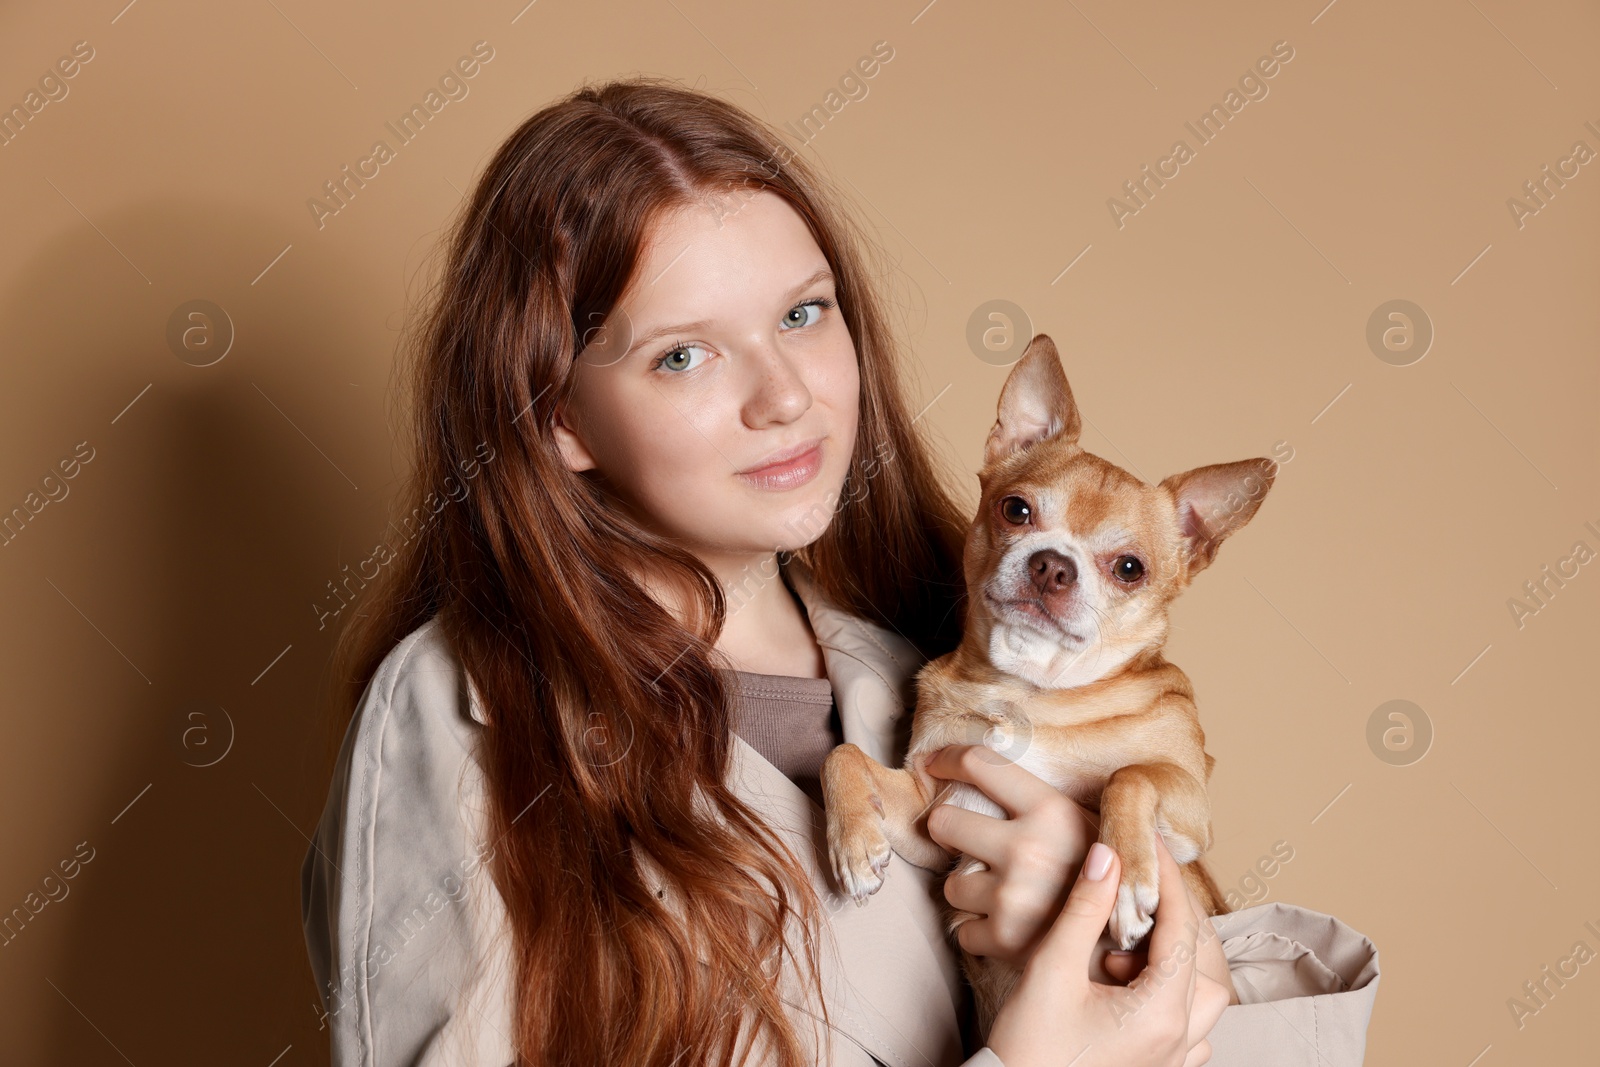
178,671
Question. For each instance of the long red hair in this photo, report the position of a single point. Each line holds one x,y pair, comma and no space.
600,704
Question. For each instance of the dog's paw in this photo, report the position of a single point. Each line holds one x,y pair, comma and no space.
1134,913
859,852
1137,894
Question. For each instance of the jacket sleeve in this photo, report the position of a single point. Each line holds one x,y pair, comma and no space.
403,925
1306,985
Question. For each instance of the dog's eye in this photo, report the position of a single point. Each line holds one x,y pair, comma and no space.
1127,569
1016,511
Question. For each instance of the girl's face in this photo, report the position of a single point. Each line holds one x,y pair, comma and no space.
727,349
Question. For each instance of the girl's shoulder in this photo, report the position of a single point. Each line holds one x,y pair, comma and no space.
398,908
421,674
410,753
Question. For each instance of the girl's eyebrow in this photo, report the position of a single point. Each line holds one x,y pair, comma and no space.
700,324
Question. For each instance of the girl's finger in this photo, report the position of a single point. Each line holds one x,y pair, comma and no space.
972,891
1191,927
1211,961
1070,941
977,937
1209,1001
1013,787
1169,976
1125,966
991,934
971,833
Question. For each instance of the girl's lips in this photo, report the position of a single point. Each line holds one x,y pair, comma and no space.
789,474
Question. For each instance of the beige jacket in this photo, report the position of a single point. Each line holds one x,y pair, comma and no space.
407,938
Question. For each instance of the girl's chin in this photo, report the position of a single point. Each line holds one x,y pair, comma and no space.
767,522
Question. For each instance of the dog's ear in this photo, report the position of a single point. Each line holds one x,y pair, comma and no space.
1215,501
1035,404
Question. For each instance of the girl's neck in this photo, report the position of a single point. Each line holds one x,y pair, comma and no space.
766,630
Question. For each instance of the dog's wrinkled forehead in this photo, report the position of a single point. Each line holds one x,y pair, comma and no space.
1085,497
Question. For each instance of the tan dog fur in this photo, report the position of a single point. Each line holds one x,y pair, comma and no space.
1061,658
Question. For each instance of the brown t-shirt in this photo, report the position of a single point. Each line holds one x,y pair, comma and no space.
791,721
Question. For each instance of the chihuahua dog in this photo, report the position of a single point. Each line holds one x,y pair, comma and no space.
1070,567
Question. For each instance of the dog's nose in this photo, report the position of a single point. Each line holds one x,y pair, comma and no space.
1051,571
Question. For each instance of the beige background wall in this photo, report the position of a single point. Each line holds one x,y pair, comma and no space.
169,593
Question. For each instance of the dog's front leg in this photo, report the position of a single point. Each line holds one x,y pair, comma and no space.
1139,801
872,809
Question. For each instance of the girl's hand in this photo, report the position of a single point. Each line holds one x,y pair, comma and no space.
1056,1016
1124,967
1032,856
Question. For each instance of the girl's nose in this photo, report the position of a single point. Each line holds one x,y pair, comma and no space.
777,389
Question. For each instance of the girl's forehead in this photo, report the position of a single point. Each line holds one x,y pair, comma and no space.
727,222
693,262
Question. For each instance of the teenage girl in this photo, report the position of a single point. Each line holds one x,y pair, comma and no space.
657,369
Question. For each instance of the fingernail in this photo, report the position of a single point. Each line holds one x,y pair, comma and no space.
1098,861
1119,952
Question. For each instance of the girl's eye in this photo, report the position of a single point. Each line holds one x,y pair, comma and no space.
802,309
678,358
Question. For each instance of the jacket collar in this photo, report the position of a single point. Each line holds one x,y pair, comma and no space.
873,670
891,977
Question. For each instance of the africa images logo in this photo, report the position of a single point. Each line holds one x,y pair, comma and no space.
1252,86
453,87
350,585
